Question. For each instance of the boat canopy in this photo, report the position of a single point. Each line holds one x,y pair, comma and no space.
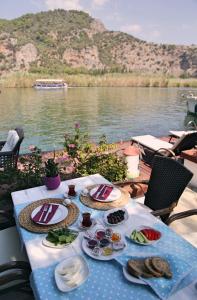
49,80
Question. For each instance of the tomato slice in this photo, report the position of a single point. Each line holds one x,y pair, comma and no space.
151,234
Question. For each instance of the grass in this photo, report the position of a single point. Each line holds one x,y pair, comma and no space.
25,80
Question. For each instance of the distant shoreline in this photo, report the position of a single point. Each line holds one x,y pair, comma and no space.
26,80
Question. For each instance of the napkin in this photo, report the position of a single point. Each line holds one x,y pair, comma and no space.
161,286
99,189
46,213
103,192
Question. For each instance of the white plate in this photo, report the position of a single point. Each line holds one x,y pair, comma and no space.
140,228
101,257
113,196
46,243
51,245
60,214
84,272
126,216
131,278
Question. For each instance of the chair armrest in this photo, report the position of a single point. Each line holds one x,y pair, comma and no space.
7,153
15,265
166,150
164,211
15,275
181,215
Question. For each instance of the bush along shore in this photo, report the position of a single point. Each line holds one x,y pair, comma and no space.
26,80
80,157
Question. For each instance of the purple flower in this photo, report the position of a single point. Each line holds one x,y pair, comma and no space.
69,169
62,159
72,146
77,125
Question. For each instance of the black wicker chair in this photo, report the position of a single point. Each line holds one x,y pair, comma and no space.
14,277
8,159
167,182
14,267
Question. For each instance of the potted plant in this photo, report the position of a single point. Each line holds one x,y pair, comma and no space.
52,179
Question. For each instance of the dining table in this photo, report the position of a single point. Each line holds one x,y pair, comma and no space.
106,279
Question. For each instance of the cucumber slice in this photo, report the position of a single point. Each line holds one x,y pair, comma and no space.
132,236
141,238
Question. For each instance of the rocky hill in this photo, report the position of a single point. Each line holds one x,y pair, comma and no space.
62,41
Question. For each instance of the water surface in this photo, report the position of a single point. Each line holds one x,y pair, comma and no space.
120,113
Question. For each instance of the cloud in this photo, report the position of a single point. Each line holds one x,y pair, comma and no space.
99,2
64,4
132,28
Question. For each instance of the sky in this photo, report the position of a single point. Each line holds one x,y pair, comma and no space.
159,21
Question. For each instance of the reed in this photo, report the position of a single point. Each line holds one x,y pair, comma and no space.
25,80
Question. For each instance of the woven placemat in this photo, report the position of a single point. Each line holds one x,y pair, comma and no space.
90,202
26,222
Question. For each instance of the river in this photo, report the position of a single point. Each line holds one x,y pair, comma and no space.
120,113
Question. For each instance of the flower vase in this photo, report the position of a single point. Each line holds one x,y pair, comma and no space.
52,183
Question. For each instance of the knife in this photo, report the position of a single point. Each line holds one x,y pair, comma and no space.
50,208
102,193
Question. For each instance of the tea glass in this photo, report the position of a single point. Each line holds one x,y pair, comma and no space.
71,190
86,221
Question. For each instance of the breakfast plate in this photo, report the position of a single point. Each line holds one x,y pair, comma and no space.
71,273
60,214
103,244
144,235
114,194
116,216
60,238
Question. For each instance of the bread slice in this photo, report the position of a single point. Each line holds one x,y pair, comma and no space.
161,265
137,268
150,268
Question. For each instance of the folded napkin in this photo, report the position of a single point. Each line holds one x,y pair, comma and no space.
98,190
103,192
46,213
164,287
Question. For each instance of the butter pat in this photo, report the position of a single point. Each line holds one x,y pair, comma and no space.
67,201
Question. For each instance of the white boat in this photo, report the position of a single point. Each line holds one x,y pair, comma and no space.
50,84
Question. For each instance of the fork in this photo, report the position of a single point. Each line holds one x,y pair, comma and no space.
45,210
100,192
50,208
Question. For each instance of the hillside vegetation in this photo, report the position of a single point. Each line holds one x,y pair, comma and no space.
72,42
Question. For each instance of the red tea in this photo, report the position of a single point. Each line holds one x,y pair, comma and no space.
71,190
86,222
